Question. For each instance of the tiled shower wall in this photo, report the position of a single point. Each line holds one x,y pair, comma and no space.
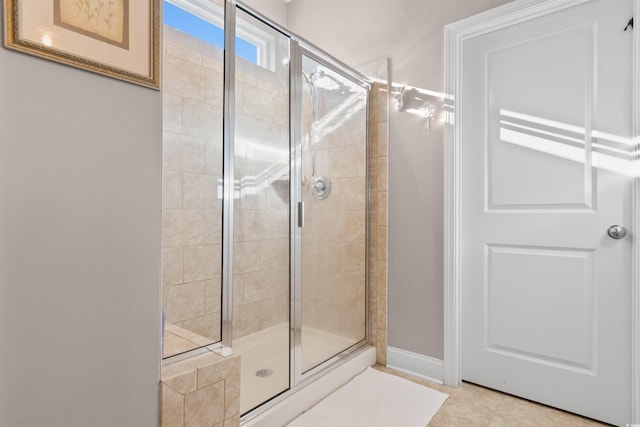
192,173
191,225
333,239
192,201
261,221
378,167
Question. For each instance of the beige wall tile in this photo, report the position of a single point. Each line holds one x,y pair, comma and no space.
260,285
352,193
215,369
201,120
362,159
215,60
345,226
200,191
183,78
382,105
204,407
262,104
382,174
182,52
383,201
173,344
263,225
213,157
381,313
238,290
182,153
213,295
182,302
246,257
381,347
273,311
246,319
182,227
214,225
214,87
381,274
201,262
171,407
381,233
383,140
171,190
171,113
182,382
172,266
252,200
373,336
207,326
274,254
339,257
245,74
373,173
232,388
211,373
192,106
341,162
373,131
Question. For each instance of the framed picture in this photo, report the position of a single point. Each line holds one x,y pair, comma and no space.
117,38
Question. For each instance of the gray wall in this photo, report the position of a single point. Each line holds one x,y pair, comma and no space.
410,32
80,185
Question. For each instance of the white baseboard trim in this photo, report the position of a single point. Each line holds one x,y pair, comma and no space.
415,364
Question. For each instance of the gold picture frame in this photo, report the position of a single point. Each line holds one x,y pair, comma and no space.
115,38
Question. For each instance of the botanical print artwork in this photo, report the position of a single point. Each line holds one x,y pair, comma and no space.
105,20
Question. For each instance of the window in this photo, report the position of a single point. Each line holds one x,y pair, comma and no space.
205,21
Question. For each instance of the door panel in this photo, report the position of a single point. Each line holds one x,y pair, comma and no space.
521,105
520,280
547,168
333,239
261,286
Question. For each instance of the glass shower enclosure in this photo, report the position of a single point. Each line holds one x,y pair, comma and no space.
286,203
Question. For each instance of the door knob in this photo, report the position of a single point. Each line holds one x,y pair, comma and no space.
617,232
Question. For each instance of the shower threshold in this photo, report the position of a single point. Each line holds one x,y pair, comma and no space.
265,360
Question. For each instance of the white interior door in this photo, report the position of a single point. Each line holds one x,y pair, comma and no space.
547,163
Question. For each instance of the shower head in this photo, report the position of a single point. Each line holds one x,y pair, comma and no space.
321,79
316,75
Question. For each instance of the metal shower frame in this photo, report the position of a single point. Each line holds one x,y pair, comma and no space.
298,49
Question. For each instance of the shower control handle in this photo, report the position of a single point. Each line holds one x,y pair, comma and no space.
617,232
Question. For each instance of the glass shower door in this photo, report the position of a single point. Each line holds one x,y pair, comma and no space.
334,193
261,211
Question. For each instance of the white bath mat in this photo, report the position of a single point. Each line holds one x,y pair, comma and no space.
375,399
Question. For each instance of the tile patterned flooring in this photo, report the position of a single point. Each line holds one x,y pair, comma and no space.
470,405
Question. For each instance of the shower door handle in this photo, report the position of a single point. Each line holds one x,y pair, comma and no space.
300,214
